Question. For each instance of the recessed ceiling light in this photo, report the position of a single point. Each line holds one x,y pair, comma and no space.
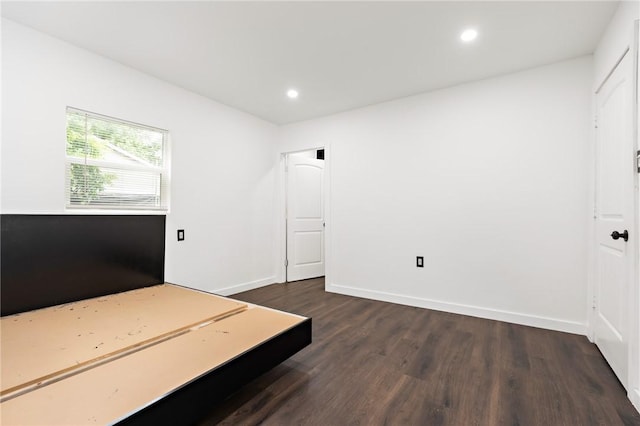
468,35
292,93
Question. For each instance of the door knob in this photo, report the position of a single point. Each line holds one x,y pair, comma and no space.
624,235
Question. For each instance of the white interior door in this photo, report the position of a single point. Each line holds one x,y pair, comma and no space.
614,212
305,218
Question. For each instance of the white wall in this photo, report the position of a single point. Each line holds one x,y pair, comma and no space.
618,37
222,185
615,39
489,181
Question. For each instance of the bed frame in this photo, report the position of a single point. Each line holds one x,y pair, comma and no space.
49,260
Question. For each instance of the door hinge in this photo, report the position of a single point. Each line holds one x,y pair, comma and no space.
638,161
286,263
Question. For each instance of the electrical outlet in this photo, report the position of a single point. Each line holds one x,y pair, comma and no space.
180,234
419,261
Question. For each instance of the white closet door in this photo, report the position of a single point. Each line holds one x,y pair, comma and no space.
305,218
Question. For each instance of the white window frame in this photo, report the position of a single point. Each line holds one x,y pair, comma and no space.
163,171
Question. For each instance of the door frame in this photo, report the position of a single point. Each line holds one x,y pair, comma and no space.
634,299
633,359
281,213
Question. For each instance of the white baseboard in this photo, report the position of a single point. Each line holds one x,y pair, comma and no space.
634,396
228,291
474,311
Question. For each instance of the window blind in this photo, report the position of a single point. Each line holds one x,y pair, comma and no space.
115,164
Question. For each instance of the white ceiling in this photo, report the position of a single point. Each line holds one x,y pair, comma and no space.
339,55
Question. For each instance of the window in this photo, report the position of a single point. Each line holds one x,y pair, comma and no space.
114,164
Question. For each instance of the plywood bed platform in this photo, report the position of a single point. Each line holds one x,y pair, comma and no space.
92,334
163,353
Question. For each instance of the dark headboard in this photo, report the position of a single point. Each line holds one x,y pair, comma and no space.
47,260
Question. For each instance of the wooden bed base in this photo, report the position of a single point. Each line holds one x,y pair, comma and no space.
189,404
153,355
91,334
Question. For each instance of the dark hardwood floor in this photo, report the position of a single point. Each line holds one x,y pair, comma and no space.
379,363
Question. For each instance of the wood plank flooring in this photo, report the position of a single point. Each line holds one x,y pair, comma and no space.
376,363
